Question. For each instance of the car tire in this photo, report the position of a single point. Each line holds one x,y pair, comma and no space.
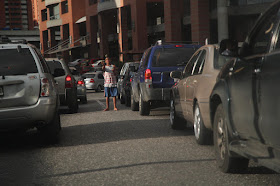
203,135
74,106
175,122
144,106
99,88
127,100
84,100
49,134
134,105
225,161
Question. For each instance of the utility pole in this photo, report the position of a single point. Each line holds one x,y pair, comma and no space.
222,17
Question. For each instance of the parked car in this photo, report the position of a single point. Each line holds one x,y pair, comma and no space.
190,95
94,81
97,66
124,81
152,83
244,104
67,86
81,87
29,98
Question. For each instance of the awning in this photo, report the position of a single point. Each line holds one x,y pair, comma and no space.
83,19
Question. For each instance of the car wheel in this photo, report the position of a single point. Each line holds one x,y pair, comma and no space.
144,106
175,122
84,100
50,133
203,135
74,106
225,161
99,88
134,105
127,100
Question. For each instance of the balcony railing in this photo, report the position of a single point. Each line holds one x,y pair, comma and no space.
54,22
248,2
53,17
66,45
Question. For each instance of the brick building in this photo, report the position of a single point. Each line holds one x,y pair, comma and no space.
18,21
125,28
62,28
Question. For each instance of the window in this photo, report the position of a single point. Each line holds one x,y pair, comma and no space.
199,63
91,2
17,63
190,65
164,57
44,15
145,57
64,7
261,39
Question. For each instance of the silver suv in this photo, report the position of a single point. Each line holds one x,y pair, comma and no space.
28,94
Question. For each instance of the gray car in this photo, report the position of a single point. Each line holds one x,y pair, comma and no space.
28,94
67,86
81,86
94,80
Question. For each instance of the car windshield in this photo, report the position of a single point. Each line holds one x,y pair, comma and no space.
89,75
54,65
17,63
220,60
172,56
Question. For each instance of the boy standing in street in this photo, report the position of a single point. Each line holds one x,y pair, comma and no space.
110,83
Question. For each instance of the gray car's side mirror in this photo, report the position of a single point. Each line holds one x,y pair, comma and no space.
176,74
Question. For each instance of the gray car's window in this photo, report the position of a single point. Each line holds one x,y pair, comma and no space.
190,65
164,57
199,63
54,65
17,63
88,76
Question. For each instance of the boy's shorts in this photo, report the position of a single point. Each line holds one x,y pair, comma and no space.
111,91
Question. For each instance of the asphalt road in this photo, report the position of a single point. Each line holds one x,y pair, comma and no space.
117,148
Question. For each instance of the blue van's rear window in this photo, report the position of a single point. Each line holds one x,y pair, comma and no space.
164,57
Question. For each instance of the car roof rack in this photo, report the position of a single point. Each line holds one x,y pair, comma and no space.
162,42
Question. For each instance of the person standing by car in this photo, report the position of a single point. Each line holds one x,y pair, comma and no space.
110,83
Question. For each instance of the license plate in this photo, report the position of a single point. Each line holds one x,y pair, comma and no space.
1,91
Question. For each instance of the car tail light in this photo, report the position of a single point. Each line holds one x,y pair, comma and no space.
130,80
45,87
81,83
178,46
68,82
148,75
91,80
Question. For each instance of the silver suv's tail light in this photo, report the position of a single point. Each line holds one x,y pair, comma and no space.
45,87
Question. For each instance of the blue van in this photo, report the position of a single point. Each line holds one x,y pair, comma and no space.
151,84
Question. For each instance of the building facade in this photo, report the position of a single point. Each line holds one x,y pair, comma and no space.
62,28
123,29
18,21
